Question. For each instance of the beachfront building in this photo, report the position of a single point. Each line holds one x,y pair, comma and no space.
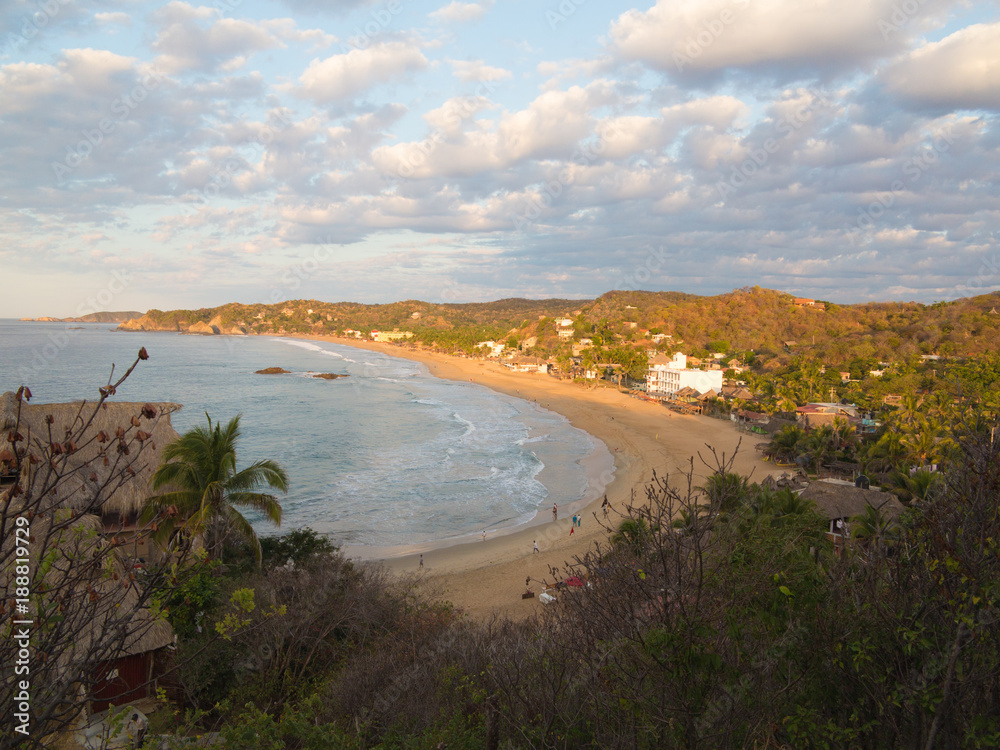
668,377
816,414
493,348
527,364
391,335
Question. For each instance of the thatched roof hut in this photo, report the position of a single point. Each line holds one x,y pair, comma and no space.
842,500
8,411
127,475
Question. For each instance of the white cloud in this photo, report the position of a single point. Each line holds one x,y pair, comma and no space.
458,12
690,38
111,19
342,76
185,44
961,71
477,70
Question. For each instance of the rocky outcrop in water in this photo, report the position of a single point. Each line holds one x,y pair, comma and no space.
272,371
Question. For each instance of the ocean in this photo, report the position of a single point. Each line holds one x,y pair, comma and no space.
384,461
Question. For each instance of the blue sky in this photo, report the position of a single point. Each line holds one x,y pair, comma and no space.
183,155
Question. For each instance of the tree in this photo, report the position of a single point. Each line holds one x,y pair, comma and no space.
206,489
632,533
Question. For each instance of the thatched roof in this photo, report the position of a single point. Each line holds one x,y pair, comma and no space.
128,493
844,500
99,601
8,411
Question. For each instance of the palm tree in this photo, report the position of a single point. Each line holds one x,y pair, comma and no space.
205,489
786,444
787,503
875,527
883,455
821,442
918,486
632,534
725,491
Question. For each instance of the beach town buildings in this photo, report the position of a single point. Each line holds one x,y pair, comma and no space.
384,336
667,377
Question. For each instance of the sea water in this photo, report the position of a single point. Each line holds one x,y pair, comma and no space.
388,457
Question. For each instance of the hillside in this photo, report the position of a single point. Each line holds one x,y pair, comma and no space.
764,322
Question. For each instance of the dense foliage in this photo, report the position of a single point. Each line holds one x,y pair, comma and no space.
717,616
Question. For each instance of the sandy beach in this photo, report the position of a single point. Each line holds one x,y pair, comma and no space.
483,577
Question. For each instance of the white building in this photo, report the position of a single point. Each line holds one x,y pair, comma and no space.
384,336
667,376
495,349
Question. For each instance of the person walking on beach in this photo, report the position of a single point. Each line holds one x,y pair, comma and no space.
534,543
574,519
604,506
555,512
421,564
484,535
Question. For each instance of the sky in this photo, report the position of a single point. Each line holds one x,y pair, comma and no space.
184,155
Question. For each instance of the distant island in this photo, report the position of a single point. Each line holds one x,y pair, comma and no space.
96,317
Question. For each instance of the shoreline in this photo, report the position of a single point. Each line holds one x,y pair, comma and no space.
486,577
